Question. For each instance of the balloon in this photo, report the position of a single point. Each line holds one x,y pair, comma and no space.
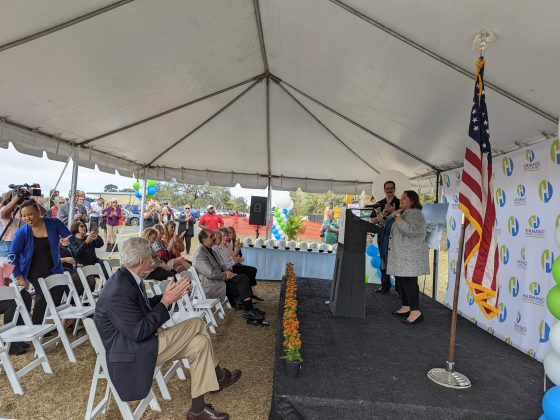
372,250
379,273
551,403
151,183
552,366
152,190
554,337
286,211
291,206
553,302
136,186
284,201
556,270
137,194
148,196
376,261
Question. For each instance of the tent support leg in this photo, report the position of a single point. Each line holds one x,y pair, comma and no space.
435,270
73,186
143,202
268,209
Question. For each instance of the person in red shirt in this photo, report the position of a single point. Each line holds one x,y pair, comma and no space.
211,220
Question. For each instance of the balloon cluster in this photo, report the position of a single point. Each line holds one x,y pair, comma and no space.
151,189
279,220
551,400
373,252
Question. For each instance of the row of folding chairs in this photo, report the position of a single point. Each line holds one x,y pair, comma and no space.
72,307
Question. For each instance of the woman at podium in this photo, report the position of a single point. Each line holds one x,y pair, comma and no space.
408,255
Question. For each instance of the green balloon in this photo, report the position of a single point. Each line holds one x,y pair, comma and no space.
553,301
136,186
148,196
556,270
152,183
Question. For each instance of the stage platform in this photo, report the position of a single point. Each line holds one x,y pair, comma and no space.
376,368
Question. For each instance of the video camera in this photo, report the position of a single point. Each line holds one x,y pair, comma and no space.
25,191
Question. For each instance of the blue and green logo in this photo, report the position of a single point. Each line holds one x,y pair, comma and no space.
490,330
452,223
545,191
470,298
513,286
446,180
544,331
534,221
513,226
547,259
500,197
457,177
502,312
507,166
504,254
521,190
555,151
531,352
453,267
518,318
529,155
508,340
535,288
455,198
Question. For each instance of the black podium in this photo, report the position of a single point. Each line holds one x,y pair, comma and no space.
347,290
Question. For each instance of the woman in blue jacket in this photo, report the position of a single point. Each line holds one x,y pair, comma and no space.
35,247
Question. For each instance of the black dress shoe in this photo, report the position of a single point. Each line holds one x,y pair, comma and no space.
252,315
207,414
258,298
258,311
416,321
230,377
382,290
406,314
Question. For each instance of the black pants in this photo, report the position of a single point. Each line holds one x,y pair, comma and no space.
248,270
188,240
160,274
40,302
385,280
238,287
410,293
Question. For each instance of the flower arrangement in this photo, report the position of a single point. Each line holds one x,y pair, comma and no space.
292,339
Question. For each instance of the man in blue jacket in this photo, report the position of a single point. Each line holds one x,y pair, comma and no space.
129,324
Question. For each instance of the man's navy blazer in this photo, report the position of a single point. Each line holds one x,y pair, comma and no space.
128,329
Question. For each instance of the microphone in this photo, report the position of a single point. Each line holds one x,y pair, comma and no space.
394,214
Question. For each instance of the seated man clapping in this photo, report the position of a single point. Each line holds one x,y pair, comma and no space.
129,324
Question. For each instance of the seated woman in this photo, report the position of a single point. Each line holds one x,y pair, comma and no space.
161,270
233,245
83,249
69,264
174,246
37,254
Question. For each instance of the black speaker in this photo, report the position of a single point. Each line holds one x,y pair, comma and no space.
257,215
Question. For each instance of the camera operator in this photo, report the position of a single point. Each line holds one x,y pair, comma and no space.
80,210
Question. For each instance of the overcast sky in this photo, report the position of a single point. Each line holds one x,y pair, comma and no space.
18,168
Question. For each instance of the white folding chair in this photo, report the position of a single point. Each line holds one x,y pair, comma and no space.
200,301
179,312
90,297
11,332
58,314
110,264
102,372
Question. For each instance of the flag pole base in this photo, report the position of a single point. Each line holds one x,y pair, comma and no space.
448,377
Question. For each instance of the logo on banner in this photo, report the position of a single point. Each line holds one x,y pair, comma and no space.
455,204
500,197
530,163
470,298
453,266
446,180
513,286
452,223
534,230
457,178
531,352
508,340
555,151
521,198
545,191
490,330
533,295
504,254
522,261
502,312
547,258
517,327
473,320
513,226
544,331
507,166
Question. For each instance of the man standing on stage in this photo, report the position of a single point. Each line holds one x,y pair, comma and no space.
386,206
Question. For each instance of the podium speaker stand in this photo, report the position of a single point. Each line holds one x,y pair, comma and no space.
347,290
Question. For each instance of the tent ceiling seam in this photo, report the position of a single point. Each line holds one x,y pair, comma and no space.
171,110
361,127
327,128
63,25
445,61
257,9
207,120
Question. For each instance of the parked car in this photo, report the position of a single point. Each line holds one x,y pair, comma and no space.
131,219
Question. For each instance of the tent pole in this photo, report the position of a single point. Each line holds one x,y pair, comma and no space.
268,209
435,270
62,173
71,204
143,202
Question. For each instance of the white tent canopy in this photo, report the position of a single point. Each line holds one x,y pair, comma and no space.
312,94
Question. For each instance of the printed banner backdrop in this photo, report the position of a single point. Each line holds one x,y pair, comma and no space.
527,195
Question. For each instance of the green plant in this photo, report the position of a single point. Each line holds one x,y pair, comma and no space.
294,225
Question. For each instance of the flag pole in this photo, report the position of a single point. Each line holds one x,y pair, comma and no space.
447,376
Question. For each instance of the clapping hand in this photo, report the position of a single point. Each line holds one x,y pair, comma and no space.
91,237
175,291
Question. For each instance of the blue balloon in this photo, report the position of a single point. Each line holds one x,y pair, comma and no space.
379,273
274,230
137,194
372,250
551,403
376,261
286,211
152,190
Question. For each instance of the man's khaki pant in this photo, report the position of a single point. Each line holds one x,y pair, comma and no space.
190,340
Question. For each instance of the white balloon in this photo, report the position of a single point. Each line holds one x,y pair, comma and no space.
283,216
552,366
291,206
557,235
283,202
401,183
554,337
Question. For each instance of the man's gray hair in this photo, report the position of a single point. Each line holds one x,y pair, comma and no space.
133,250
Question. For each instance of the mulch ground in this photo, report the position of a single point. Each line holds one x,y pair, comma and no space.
64,393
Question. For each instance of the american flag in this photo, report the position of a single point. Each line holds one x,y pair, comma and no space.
476,201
